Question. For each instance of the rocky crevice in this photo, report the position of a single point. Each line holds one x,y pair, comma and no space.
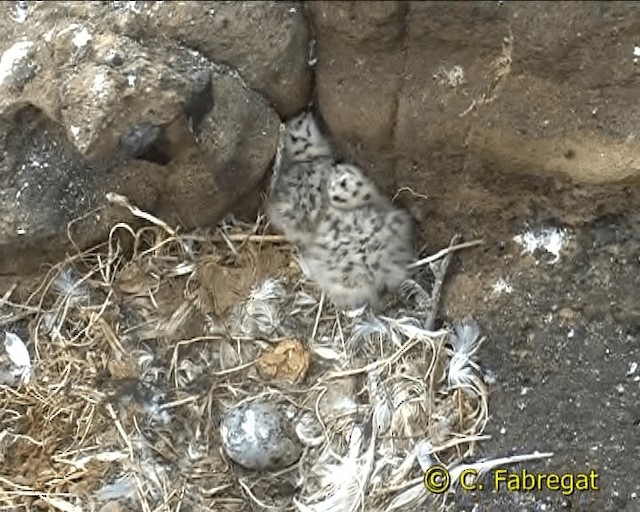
424,96
404,42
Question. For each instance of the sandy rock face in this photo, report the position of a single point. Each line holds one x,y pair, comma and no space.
359,72
167,103
420,92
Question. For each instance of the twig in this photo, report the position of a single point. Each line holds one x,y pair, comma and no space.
238,368
114,198
177,403
238,237
375,365
7,294
255,498
444,252
411,191
315,325
120,429
440,276
225,238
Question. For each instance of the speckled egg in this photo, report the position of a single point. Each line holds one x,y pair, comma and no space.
259,436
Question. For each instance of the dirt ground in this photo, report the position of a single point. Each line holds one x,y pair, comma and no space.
562,349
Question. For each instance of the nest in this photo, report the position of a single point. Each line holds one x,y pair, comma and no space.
139,347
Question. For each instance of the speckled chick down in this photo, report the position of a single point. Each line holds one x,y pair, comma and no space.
355,244
298,195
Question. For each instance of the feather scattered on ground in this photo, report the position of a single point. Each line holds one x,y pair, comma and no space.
138,348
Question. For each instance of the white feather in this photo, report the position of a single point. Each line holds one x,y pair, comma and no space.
18,354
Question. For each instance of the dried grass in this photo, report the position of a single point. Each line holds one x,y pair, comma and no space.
137,353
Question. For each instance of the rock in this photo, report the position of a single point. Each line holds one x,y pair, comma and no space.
45,184
359,72
85,111
16,66
266,42
480,104
235,144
